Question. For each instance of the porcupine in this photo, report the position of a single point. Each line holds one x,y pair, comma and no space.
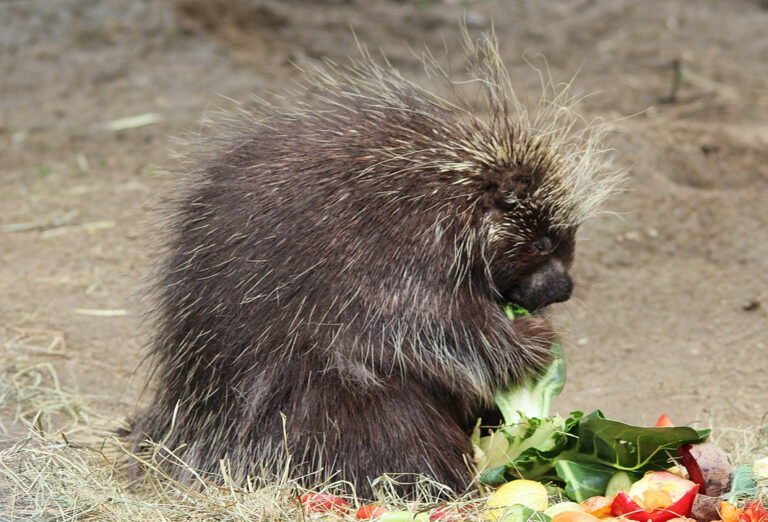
332,281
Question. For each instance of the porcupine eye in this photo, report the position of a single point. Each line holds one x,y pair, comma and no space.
503,189
543,246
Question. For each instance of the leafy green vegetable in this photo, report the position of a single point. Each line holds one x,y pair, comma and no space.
630,448
533,396
534,444
593,439
583,480
744,484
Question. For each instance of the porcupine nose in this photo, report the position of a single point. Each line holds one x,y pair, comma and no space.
550,284
562,289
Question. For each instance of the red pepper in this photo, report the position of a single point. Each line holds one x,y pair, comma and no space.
754,512
446,514
324,503
623,505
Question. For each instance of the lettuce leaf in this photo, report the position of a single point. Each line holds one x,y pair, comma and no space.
583,480
532,397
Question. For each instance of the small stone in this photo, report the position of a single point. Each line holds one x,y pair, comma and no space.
751,306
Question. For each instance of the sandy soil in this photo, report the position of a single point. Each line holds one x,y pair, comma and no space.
671,309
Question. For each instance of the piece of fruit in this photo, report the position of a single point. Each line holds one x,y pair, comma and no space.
370,512
556,509
667,495
574,516
597,506
729,512
654,499
324,503
664,422
528,493
707,466
507,501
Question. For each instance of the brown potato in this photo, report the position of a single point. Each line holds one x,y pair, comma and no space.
705,508
707,466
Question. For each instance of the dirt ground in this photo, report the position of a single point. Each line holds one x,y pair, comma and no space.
671,308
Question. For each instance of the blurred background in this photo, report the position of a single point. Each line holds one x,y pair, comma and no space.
670,313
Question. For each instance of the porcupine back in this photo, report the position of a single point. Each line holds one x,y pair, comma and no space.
327,266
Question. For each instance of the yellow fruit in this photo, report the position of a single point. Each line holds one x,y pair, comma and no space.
527,493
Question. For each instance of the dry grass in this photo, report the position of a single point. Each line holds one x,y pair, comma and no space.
52,477
78,471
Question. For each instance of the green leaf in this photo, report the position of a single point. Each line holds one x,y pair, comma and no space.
583,480
494,476
744,484
513,310
494,448
532,396
541,435
533,447
630,448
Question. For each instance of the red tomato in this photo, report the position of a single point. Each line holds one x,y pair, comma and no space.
370,512
664,422
324,503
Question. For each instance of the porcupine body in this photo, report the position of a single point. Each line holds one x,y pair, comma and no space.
332,277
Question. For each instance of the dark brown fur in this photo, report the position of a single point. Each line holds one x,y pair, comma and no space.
332,284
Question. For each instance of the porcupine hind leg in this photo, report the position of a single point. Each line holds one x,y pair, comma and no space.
400,428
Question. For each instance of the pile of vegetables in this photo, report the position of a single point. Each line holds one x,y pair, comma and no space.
659,496
606,469
600,470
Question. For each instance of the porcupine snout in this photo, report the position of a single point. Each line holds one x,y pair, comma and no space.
549,284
